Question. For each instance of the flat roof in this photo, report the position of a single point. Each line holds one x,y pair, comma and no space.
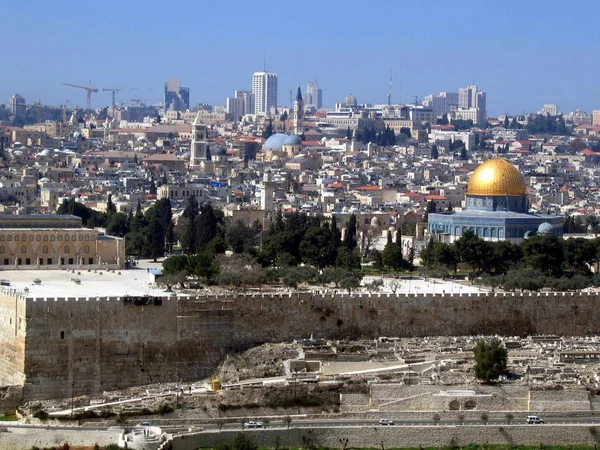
58,283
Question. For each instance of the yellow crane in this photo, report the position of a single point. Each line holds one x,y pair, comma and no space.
89,90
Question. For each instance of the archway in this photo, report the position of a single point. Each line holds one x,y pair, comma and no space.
470,404
454,405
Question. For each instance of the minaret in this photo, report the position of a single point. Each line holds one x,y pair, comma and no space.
353,145
199,149
266,194
298,113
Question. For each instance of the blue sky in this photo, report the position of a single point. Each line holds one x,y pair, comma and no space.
523,53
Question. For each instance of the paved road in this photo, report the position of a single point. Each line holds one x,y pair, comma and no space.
302,423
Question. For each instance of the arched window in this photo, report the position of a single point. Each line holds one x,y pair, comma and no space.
2,238
45,249
62,334
66,249
86,249
45,238
30,238
1,248
23,249
52,238
60,237
17,238
38,238
9,238
66,238
80,237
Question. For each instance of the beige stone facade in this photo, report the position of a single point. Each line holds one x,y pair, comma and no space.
48,241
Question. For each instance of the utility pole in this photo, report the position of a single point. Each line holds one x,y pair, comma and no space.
72,397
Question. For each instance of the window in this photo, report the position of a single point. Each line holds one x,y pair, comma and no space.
52,238
2,238
1,249
45,238
61,261
86,249
9,238
70,260
49,261
66,238
60,237
45,249
27,261
17,238
74,238
80,237
37,238
62,334
87,238
24,237
66,249
91,261
6,261
23,249
30,238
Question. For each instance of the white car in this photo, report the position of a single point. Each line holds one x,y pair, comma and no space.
386,422
253,424
534,419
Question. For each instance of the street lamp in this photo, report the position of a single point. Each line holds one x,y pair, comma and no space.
72,397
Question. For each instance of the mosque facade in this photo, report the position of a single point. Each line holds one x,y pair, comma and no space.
496,209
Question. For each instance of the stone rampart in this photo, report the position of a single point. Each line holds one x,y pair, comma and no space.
58,347
399,436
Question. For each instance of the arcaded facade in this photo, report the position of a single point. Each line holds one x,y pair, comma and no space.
37,241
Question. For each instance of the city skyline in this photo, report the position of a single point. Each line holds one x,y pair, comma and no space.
520,54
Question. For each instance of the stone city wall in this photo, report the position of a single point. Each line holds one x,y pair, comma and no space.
58,347
399,436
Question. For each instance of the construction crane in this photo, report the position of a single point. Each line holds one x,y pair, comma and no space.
114,92
89,90
142,100
65,106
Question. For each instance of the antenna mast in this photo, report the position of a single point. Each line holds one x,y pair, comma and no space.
390,90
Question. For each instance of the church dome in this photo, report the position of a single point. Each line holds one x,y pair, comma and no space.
496,177
545,229
293,140
219,151
275,142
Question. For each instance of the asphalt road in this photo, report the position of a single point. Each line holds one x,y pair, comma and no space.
302,423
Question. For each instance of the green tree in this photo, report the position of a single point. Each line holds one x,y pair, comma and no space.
206,227
348,259
117,225
110,206
435,154
268,131
473,250
317,248
350,238
544,253
392,257
490,359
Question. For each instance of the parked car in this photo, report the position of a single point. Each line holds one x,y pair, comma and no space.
144,424
386,422
253,424
534,419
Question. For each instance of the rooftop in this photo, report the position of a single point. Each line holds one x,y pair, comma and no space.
58,283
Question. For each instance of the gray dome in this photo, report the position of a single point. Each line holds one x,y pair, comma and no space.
293,140
545,228
219,151
275,142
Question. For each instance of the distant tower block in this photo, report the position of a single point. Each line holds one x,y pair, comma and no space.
298,113
199,150
266,195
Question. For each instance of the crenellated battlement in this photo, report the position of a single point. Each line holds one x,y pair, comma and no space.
50,344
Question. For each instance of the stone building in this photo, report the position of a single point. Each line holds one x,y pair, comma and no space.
37,241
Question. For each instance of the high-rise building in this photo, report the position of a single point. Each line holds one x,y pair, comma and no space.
17,105
314,96
471,97
472,105
177,98
264,88
442,104
240,104
549,110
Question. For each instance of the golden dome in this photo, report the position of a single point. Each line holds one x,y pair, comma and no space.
496,177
